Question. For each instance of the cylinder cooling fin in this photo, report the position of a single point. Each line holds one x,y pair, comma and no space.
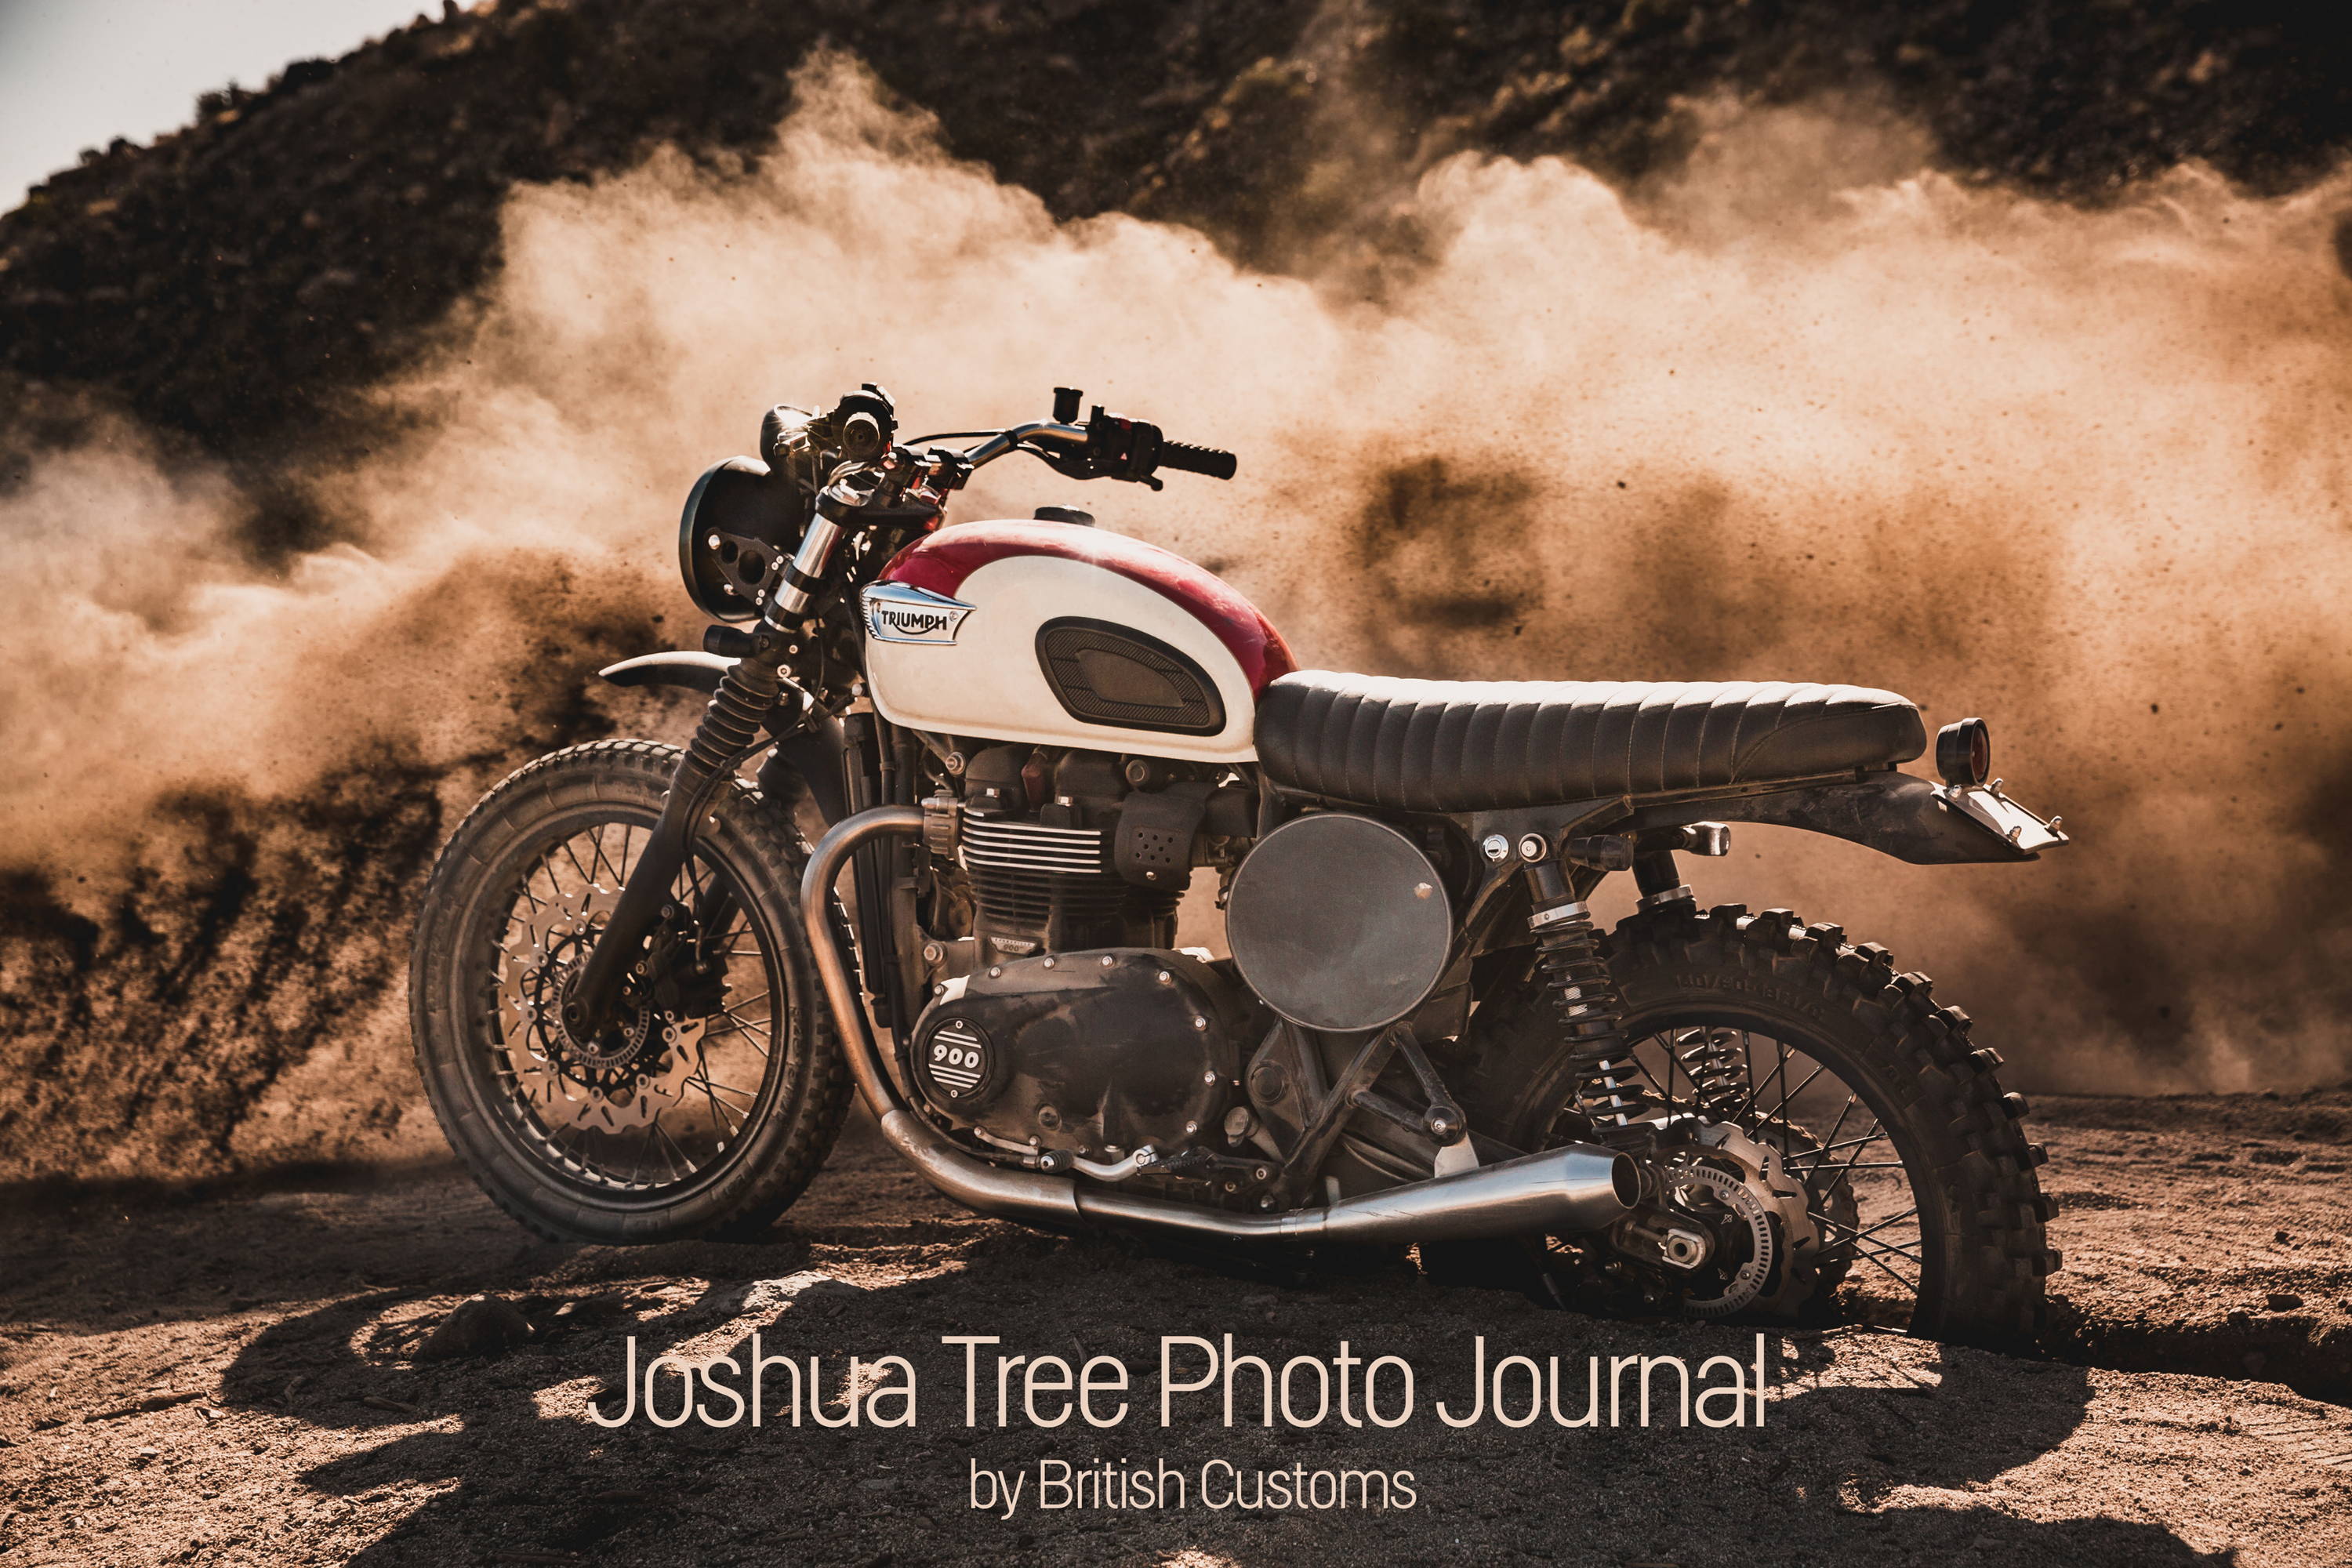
1040,888
1053,881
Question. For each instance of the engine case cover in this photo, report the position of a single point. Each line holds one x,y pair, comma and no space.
1086,1051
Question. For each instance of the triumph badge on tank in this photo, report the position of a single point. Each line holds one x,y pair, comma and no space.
899,612
642,995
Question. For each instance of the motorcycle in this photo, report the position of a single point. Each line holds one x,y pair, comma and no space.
931,837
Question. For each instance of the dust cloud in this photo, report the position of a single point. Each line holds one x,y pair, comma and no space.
1798,410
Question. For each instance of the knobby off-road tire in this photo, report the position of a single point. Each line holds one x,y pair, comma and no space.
1910,1060
744,845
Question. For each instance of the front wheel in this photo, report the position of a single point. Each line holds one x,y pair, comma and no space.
1828,1141
713,1097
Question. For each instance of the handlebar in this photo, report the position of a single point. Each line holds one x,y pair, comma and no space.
1107,446
1013,440
1208,460
857,477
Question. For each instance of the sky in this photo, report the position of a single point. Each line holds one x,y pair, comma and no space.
78,73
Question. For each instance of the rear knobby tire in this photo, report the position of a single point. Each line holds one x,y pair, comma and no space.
1909,1059
744,841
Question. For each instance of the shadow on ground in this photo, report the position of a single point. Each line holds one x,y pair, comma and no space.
296,1319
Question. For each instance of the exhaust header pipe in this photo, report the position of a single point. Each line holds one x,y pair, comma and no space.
1574,1188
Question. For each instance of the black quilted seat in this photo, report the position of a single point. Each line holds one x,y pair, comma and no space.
1463,745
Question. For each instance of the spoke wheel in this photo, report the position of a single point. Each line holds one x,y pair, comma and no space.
1853,1235
1867,1131
709,1100
658,1099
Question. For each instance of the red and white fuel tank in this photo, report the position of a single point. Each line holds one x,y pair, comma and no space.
1063,634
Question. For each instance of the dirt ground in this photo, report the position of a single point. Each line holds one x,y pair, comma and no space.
233,1379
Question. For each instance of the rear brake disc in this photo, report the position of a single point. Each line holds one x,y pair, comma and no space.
1774,1270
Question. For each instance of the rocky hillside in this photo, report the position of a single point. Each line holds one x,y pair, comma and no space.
225,282
229,288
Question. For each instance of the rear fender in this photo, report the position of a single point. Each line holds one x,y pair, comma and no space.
1893,813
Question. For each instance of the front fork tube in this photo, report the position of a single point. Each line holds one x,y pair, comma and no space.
729,730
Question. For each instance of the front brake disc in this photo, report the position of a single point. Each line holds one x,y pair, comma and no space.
622,1086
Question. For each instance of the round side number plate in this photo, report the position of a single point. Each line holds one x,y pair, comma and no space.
1339,923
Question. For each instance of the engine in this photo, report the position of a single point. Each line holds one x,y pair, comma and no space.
1096,1055
1066,1025
1071,849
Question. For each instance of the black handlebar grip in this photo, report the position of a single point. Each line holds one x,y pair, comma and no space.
1197,459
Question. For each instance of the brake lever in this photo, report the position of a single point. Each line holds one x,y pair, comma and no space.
1116,447
1070,462
1078,463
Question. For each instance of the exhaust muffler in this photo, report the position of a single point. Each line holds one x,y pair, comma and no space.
1577,1187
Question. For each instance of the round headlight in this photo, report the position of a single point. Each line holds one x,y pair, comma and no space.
1964,753
734,503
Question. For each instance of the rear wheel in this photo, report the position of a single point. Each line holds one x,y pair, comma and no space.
714,1096
1833,1143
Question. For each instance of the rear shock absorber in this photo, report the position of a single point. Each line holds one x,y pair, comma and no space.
1717,1071
1609,1091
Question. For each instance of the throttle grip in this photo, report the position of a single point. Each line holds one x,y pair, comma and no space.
1207,460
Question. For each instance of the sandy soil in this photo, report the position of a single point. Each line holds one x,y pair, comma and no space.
233,1379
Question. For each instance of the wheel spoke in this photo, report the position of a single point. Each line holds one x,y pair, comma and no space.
1673,1062
697,897
747,1026
662,1133
1779,1111
1779,1072
1910,1285
1871,1253
1663,1094
756,1042
719,1111
727,1088
1853,1233
1845,1171
596,853
1815,1154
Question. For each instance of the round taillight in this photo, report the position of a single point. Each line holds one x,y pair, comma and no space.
1964,753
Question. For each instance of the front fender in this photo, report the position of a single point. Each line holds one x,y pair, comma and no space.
696,671
805,766
1894,813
